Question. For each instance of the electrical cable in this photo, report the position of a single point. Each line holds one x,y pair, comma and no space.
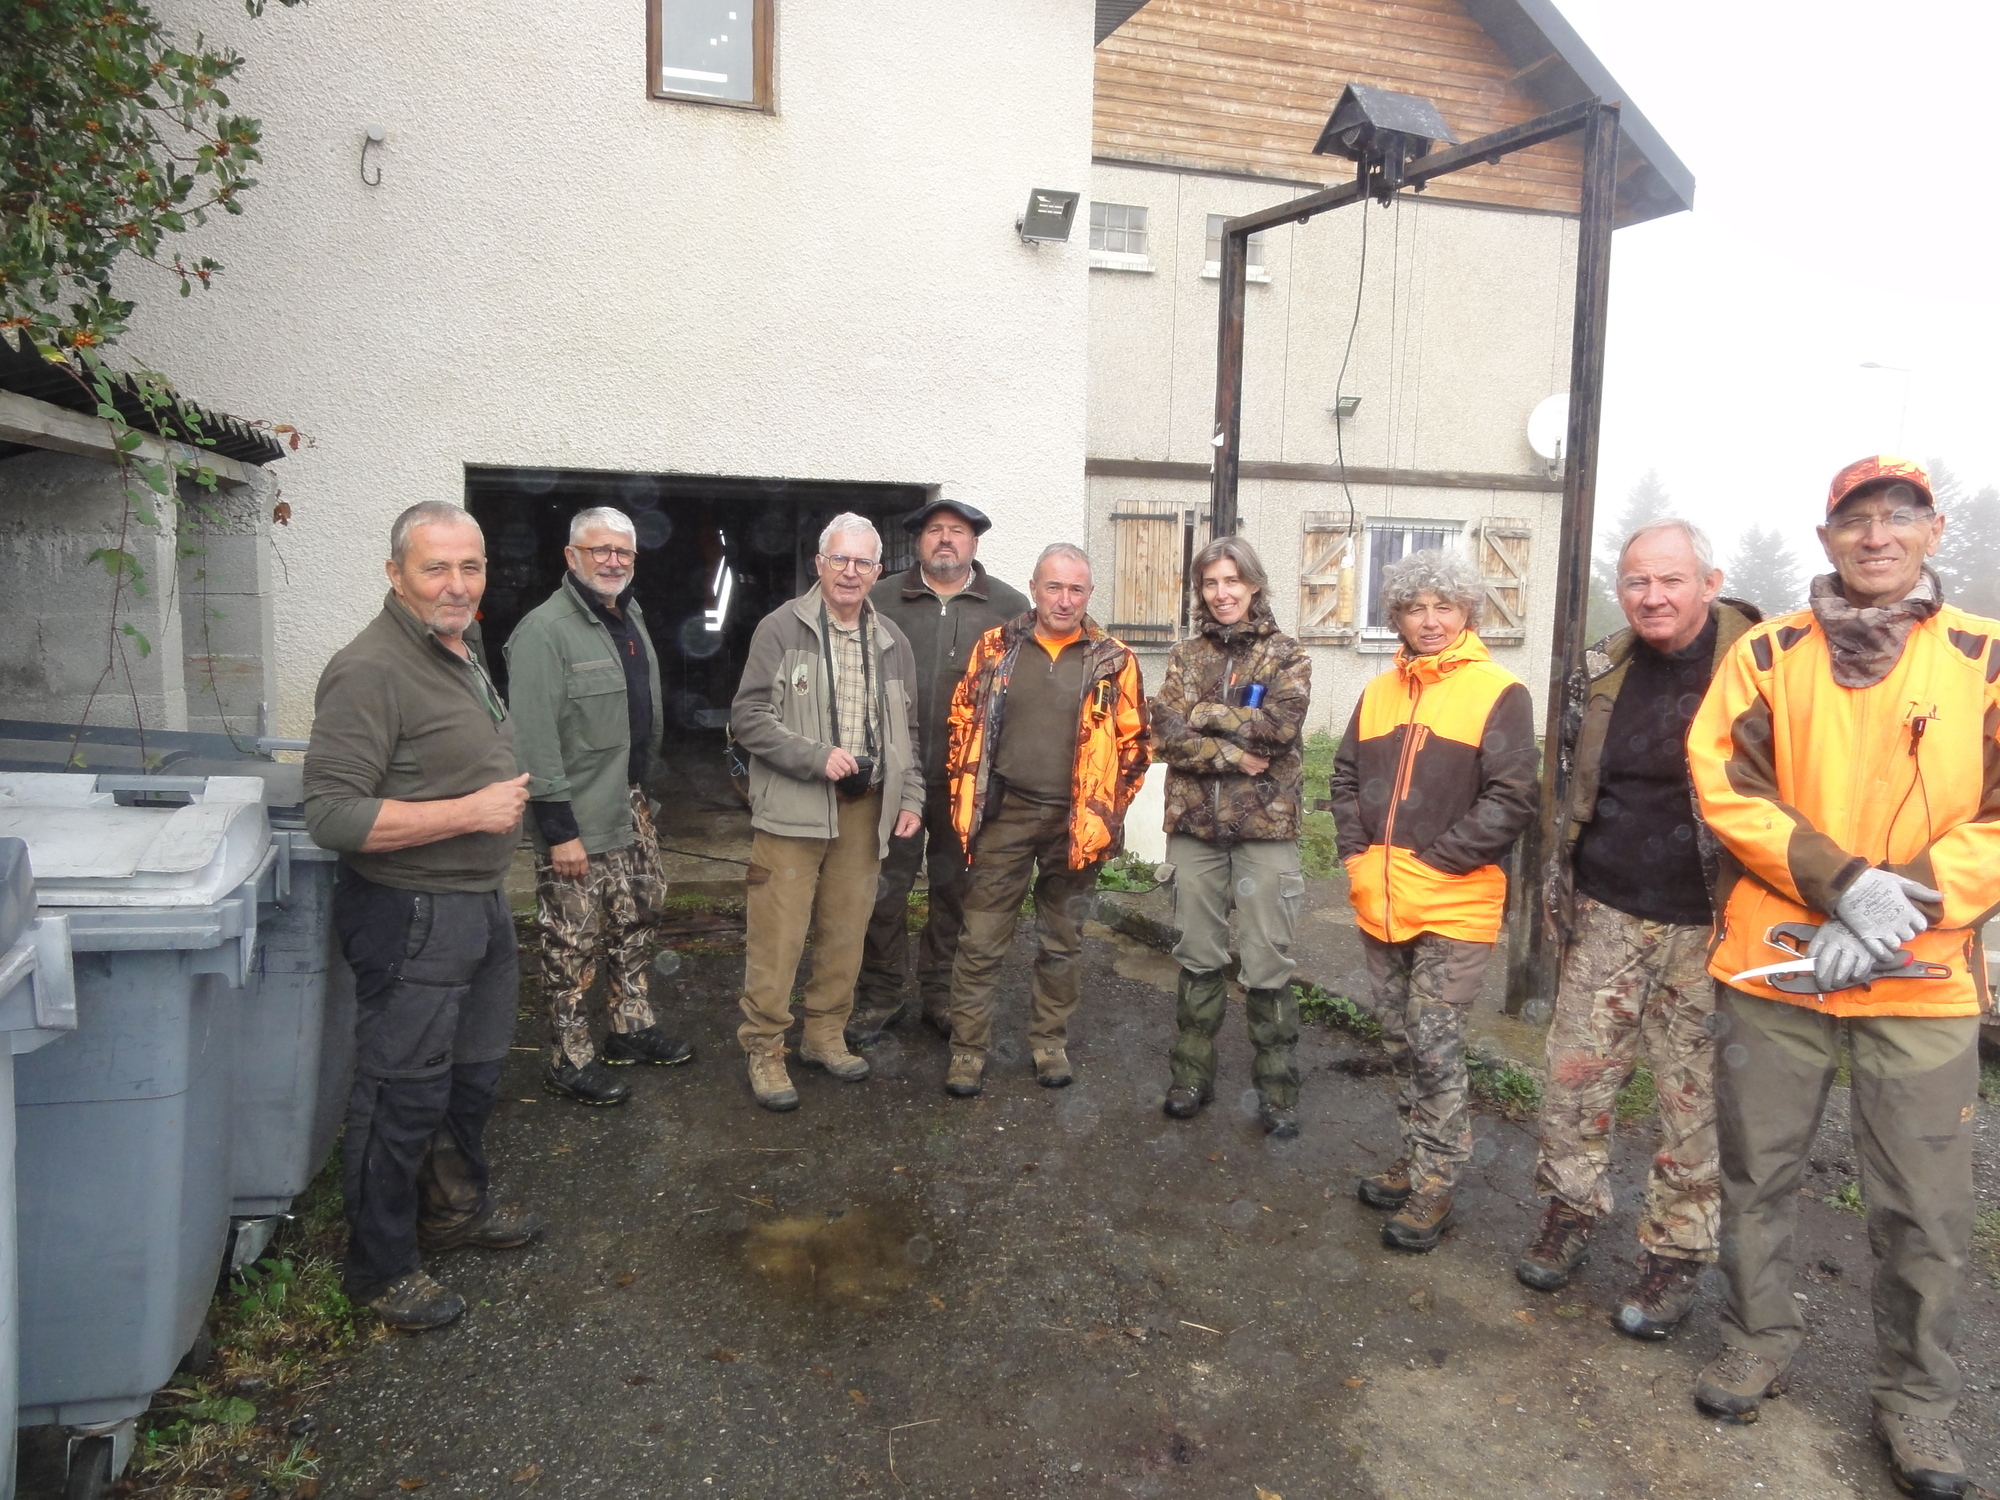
1340,381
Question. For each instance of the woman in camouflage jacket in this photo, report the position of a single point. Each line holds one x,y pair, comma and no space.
1229,723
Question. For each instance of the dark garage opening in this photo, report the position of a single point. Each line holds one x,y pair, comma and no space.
716,554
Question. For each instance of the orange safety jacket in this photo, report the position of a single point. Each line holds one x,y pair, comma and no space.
1434,779
1112,750
1807,783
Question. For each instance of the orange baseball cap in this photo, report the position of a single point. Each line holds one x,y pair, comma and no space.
1878,468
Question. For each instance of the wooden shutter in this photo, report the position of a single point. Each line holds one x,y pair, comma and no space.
1501,548
1326,577
1151,541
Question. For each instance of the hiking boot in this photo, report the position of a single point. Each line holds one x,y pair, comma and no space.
836,1059
415,1302
1561,1241
1390,1189
1280,1123
1184,1100
868,1022
589,1084
1665,1295
1420,1223
496,1229
623,1048
961,1081
1923,1457
768,1079
938,1017
1735,1383
1052,1068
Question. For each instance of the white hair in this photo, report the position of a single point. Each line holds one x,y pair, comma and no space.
601,515
1704,549
1061,549
845,523
427,513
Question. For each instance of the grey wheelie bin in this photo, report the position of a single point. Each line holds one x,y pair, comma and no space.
37,1005
123,1153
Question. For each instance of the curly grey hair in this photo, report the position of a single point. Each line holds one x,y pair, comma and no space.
1449,575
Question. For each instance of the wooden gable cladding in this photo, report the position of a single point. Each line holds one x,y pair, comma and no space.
1246,86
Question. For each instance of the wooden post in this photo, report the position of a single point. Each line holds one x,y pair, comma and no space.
1228,450
1531,958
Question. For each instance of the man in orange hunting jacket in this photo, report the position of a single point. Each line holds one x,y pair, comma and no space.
1048,748
1848,758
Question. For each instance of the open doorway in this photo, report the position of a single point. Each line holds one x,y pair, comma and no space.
716,554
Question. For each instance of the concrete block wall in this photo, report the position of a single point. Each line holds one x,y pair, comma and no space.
229,639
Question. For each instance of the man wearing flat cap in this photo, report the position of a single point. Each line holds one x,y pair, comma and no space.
1847,757
943,604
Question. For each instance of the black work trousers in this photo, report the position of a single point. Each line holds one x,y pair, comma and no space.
436,983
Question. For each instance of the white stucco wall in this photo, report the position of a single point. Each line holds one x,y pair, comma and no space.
1464,326
558,271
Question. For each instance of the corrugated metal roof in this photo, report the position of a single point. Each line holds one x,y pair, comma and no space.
1111,14
26,373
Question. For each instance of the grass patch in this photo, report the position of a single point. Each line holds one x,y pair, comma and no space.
693,901
1317,758
1986,1241
1128,872
1989,1079
1317,841
1636,1100
281,1332
1318,1007
1513,1090
1849,1197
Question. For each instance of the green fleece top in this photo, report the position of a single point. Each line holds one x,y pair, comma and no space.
400,716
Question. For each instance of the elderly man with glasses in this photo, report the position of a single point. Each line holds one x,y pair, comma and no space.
584,683
1848,758
827,713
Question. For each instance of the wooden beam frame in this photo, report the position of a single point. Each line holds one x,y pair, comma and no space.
40,424
1532,960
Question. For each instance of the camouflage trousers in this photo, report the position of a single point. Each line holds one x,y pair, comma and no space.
1423,990
1627,982
608,915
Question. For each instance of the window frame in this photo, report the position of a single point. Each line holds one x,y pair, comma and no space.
762,100
1211,270
1384,637
1120,260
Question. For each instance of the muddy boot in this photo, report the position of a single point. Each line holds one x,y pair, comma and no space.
1561,1241
1421,1222
415,1302
823,1046
961,1081
768,1079
499,1229
870,1020
1665,1295
1274,1033
1184,1100
589,1084
1052,1069
1198,1011
1389,1189
651,1046
1923,1457
1736,1382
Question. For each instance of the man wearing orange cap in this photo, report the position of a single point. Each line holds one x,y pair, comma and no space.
1848,758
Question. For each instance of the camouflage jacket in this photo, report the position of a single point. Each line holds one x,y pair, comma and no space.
1203,739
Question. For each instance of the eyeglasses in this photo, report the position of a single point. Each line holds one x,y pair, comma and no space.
1903,518
609,554
841,564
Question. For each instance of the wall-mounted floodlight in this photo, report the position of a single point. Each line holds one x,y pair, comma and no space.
1050,216
1345,407
1382,133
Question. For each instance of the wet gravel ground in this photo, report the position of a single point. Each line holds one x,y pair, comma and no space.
1063,1293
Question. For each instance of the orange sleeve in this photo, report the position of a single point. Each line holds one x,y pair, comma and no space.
1135,751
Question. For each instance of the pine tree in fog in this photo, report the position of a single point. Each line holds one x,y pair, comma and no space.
1765,570
1968,559
1648,501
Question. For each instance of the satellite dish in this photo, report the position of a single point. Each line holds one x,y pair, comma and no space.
1548,427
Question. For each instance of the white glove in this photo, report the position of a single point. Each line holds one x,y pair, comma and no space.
1877,909
1839,960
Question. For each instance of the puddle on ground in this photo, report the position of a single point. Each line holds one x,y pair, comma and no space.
856,1257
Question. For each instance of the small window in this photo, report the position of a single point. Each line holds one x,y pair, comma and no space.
717,51
1118,237
1211,265
1390,542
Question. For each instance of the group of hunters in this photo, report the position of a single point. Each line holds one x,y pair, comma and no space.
1782,836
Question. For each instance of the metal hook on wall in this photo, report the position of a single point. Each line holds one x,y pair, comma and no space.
376,135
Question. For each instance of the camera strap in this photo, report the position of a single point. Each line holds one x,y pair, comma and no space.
833,679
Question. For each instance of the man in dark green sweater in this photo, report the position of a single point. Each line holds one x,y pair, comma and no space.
944,604
411,777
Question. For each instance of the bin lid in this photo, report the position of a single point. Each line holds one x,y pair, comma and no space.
135,840
17,892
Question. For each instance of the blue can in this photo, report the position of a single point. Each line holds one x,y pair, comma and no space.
1253,695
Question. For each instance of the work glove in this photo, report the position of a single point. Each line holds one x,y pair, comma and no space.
1878,910
1839,959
